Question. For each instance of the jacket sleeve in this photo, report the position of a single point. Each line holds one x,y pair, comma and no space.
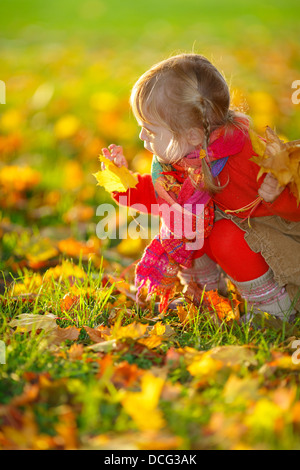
285,205
143,194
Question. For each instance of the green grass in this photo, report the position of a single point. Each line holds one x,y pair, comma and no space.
94,401
83,48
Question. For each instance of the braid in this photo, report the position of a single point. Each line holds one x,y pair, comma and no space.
208,178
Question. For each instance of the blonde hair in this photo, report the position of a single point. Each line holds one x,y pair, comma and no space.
183,92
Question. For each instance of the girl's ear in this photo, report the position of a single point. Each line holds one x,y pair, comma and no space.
195,136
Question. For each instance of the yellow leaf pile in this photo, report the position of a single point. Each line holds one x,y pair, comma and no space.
113,178
143,406
279,158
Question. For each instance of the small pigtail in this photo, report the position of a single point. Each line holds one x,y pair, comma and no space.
209,182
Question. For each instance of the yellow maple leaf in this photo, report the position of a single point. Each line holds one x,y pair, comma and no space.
113,178
133,330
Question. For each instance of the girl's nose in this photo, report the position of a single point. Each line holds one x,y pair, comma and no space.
143,135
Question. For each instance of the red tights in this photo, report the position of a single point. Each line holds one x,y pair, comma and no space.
227,247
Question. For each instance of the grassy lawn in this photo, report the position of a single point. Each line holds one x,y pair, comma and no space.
83,366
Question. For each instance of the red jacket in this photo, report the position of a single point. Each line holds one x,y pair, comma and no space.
239,178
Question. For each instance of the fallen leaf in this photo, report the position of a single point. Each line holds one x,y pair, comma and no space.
225,309
126,374
133,330
233,355
142,406
68,301
31,321
106,346
75,352
58,335
151,342
98,334
204,366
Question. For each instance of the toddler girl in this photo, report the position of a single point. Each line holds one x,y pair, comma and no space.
202,156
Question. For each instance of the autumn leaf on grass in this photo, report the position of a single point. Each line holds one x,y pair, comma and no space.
142,406
233,355
122,286
58,334
187,313
68,302
133,331
204,366
113,178
98,334
225,309
158,333
33,322
207,363
280,159
126,374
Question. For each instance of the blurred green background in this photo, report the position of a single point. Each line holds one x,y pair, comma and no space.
69,66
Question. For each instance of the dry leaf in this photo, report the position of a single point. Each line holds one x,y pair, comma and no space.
225,309
58,335
280,159
233,355
99,334
31,321
106,346
114,178
75,352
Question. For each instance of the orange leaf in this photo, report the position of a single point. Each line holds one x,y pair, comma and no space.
69,301
126,374
226,310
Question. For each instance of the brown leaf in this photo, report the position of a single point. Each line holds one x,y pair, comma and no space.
62,334
99,334
75,352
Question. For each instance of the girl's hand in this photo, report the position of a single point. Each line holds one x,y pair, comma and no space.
270,189
115,154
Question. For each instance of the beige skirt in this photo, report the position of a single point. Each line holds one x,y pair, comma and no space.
278,241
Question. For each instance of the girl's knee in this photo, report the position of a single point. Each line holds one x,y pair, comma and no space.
233,254
225,237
